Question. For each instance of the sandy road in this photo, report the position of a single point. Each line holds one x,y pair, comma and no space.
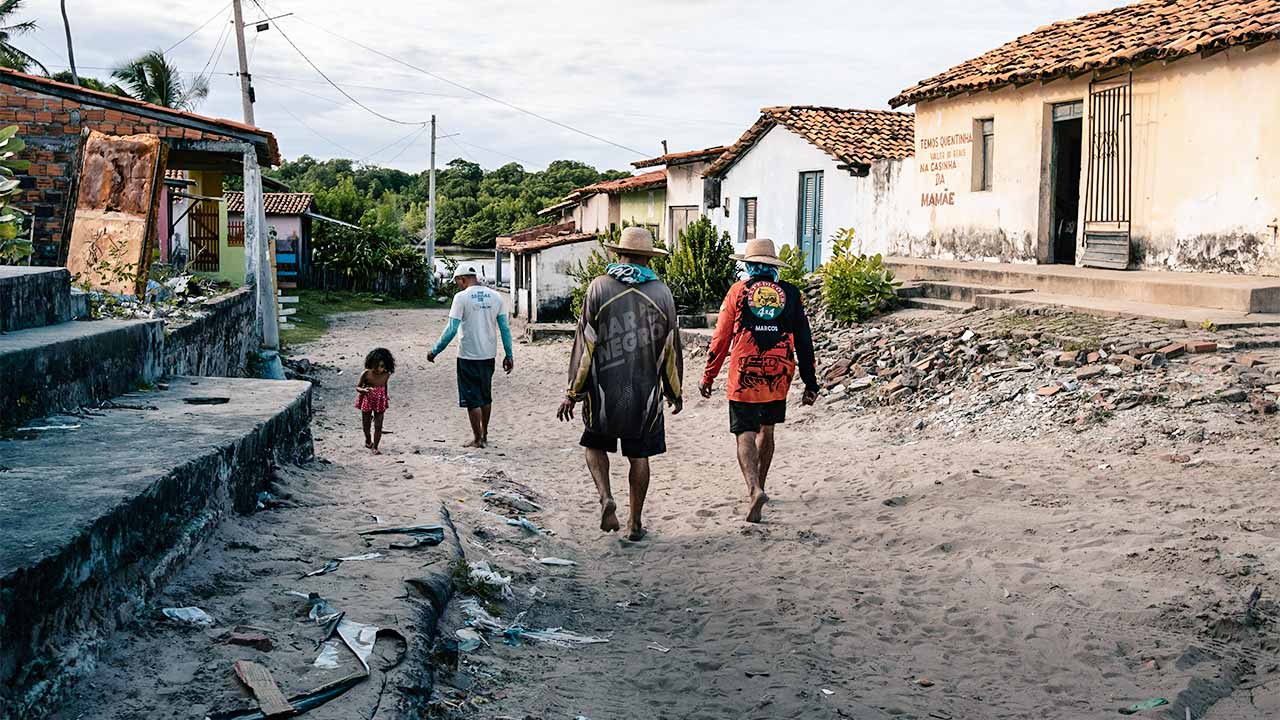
895,575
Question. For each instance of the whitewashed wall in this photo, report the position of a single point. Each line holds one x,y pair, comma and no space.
877,206
552,282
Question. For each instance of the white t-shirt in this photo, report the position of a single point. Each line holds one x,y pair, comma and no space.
477,308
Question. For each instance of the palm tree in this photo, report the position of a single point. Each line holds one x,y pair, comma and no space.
152,78
89,83
10,56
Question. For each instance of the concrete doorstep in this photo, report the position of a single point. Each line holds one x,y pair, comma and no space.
96,512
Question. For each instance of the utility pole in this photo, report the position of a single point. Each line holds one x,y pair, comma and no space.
71,54
431,206
246,88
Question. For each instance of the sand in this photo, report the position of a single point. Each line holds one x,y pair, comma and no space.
896,574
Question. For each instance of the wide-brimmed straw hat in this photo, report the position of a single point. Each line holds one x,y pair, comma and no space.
635,241
760,251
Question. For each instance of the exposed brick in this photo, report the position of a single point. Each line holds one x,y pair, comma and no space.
36,170
1091,371
93,115
44,183
1201,346
114,116
55,169
1173,350
191,134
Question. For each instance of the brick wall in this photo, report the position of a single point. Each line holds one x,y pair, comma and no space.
51,127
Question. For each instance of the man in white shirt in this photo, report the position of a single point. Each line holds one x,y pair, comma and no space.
478,310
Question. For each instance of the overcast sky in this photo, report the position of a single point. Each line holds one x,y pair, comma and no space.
692,72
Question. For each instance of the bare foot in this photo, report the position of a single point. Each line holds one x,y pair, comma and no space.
635,533
609,516
757,504
376,451
368,444
474,444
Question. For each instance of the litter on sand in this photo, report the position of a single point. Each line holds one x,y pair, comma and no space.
328,568
478,617
482,573
427,535
189,615
34,428
557,562
828,692
1144,705
527,524
328,657
551,636
469,640
659,648
366,556
517,503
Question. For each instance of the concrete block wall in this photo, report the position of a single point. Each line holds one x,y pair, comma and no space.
217,344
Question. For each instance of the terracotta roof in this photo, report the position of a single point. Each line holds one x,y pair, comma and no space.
570,202
276,203
1134,34
104,99
542,237
680,158
853,137
656,178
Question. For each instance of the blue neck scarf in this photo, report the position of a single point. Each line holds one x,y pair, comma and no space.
757,271
631,274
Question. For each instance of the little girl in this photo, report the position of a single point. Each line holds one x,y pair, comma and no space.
371,394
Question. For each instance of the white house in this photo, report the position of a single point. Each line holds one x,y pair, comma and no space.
542,258
801,173
686,199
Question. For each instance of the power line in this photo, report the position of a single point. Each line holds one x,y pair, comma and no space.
217,49
412,142
303,123
345,94
393,143
496,152
473,90
198,29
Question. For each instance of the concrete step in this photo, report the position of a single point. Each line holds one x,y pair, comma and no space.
1237,293
1172,314
62,367
32,297
964,292
929,303
95,516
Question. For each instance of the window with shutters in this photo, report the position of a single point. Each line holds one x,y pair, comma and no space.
746,219
984,149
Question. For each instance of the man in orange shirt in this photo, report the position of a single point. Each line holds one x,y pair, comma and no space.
763,331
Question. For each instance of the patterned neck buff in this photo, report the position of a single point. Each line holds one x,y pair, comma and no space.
761,270
631,274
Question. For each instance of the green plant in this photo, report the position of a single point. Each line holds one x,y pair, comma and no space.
701,269
794,270
150,77
584,271
13,246
855,287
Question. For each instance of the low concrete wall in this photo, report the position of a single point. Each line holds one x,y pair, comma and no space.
118,516
33,297
217,344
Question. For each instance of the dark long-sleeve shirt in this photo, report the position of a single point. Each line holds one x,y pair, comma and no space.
626,357
771,311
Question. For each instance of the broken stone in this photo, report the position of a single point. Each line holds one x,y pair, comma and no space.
1249,360
1201,346
1091,371
1262,405
1175,458
1233,395
1112,370
861,383
1172,350
1068,358
1049,390
1093,357
1157,360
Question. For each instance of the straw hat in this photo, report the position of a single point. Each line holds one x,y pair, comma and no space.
635,241
760,251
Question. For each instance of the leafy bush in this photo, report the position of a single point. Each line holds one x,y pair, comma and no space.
856,287
794,271
701,269
584,271
13,246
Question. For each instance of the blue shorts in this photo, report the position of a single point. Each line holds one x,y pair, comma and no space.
475,383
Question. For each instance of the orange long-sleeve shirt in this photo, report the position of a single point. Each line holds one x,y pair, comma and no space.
772,308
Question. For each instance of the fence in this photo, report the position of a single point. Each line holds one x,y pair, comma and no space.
395,283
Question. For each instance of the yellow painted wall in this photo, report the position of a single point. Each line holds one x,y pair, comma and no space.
1206,170
231,260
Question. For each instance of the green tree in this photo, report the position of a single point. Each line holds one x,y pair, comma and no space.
150,77
10,55
90,83
343,201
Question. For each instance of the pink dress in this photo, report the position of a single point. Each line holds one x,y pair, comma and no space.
373,400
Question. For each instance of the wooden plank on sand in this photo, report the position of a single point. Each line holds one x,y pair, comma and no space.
259,680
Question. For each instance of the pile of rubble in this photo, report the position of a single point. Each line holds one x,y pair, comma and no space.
949,371
175,300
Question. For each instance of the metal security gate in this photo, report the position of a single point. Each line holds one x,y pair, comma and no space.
202,234
1109,192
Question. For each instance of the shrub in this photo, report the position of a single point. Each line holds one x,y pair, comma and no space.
584,271
13,246
701,269
794,271
856,287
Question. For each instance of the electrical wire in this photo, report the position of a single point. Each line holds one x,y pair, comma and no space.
335,85
405,149
198,29
393,143
317,133
495,152
217,49
471,90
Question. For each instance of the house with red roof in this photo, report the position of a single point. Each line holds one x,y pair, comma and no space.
800,173
686,200
1141,137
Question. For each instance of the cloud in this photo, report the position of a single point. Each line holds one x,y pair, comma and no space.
692,72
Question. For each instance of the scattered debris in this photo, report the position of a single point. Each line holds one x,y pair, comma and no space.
422,535
188,615
1144,705
259,681
557,562
551,636
513,503
329,567
250,637
524,522
659,648
469,640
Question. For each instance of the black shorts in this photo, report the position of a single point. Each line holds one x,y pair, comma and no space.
475,383
748,417
655,443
